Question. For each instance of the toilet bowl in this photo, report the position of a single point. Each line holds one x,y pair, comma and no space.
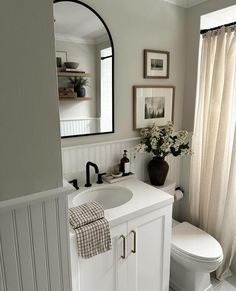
194,254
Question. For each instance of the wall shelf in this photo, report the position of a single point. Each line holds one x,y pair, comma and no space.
75,98
73,74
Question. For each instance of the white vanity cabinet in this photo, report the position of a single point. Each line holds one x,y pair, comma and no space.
107,271
149,266
139,260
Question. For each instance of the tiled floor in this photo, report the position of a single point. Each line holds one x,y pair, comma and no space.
227,285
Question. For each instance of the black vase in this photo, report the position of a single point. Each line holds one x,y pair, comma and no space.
158,169
80,91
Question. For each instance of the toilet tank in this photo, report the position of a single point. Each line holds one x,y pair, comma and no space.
168,187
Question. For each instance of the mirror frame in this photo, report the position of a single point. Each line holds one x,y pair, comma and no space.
112,48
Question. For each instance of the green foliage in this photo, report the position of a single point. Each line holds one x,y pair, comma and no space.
79,81
162,141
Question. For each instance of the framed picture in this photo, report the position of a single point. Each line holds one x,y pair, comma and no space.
153,104
61,58
156,64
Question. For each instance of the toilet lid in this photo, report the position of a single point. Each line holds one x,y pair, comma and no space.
194,242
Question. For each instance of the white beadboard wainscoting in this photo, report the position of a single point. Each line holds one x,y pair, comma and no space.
108,154
34,245
79,126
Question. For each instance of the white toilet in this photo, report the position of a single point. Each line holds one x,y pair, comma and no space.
194,254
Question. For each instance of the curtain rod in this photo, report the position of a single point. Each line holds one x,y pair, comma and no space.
103,58
217,27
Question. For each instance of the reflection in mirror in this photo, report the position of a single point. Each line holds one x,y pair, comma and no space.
84,57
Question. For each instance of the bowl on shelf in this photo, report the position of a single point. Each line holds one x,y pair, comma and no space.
71,65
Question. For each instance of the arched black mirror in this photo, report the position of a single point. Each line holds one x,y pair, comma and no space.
85,69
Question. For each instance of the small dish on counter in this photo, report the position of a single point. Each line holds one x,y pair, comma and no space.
111,179
116,175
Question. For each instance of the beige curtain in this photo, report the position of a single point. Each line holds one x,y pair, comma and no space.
213,164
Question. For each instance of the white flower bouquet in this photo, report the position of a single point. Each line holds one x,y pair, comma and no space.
163,141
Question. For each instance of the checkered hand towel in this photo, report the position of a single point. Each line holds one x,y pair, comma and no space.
85,213
91,228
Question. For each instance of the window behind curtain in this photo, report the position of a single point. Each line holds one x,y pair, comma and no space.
106,89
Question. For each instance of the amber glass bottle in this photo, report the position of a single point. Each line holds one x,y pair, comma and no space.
125,164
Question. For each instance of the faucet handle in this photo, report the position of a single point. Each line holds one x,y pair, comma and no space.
74,182
100,181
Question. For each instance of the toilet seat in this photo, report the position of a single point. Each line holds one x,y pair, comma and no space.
190,243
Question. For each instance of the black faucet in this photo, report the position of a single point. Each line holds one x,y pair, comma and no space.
74,183
88,184
100,181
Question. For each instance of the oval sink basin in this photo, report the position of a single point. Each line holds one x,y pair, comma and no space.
108,197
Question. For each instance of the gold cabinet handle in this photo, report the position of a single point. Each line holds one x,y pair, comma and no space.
134,248
124,249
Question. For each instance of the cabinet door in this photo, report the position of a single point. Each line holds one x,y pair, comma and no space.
107,271
149,238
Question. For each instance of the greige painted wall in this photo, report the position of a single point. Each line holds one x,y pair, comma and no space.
134,26
192,46
30,156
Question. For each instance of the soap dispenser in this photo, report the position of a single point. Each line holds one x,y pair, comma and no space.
125,164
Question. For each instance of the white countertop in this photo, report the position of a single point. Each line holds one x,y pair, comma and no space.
146,198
